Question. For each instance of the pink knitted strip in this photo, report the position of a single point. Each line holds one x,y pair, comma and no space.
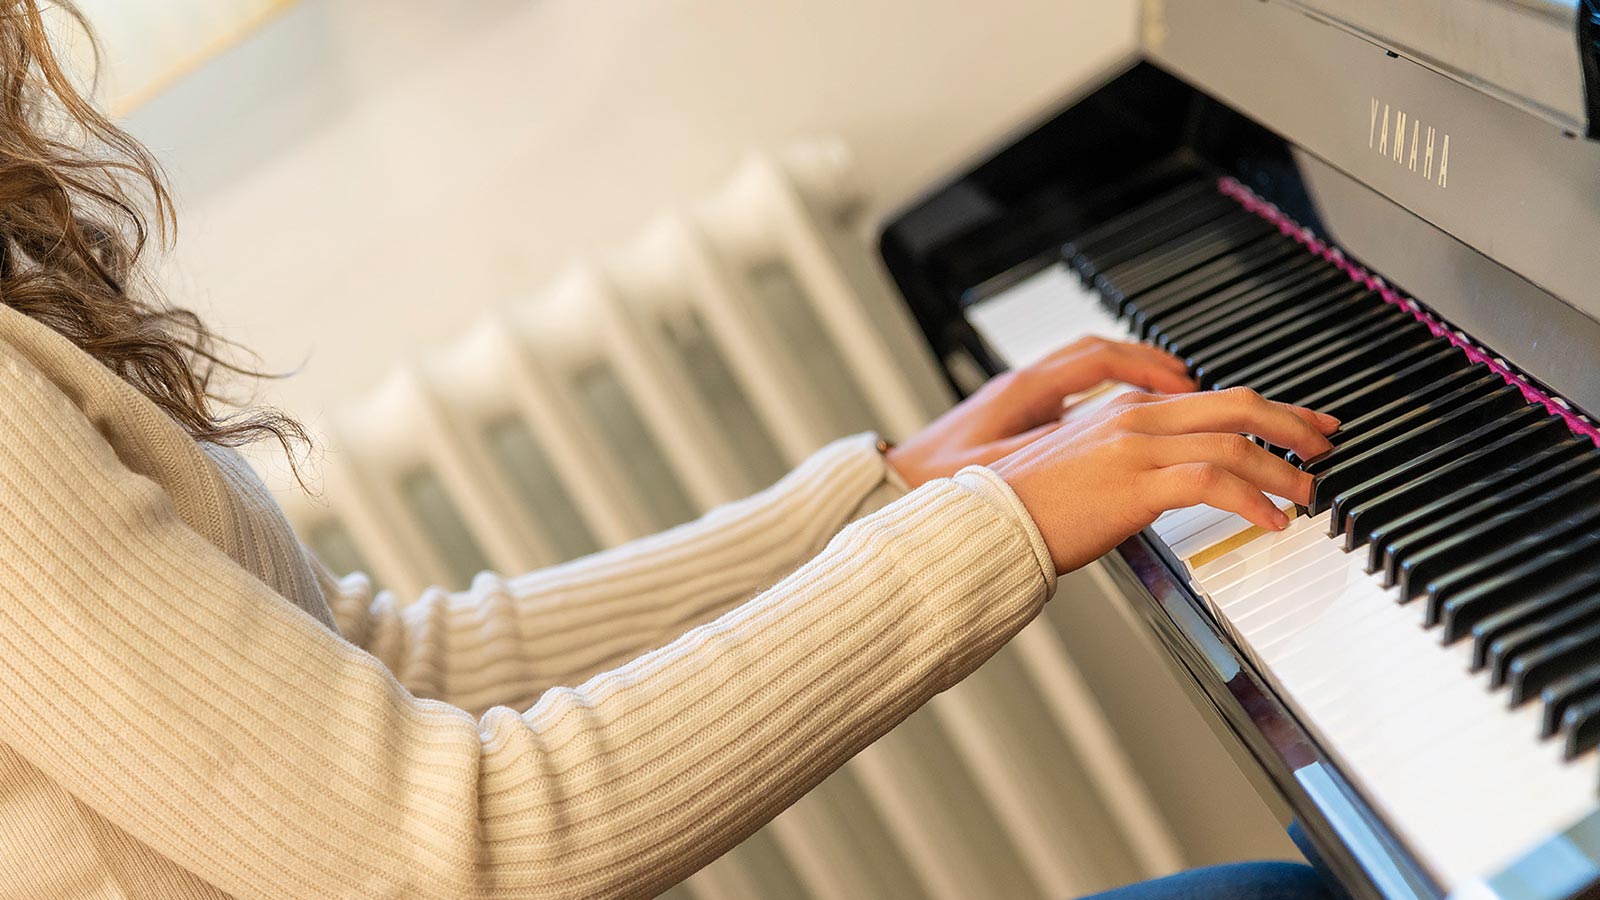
1250,201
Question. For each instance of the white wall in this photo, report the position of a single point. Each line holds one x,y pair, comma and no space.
361,176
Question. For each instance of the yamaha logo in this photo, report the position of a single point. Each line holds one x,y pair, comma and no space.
1407,141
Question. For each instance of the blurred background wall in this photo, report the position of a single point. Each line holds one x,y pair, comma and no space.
359,177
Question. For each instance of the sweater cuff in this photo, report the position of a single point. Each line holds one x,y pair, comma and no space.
994,491
891,486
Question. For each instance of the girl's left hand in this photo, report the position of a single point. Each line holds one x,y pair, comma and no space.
1016,407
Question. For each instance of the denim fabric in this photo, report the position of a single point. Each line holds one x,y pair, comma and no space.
1237,881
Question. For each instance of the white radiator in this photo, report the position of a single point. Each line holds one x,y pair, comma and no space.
694,367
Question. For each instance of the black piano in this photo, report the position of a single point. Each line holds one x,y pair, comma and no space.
1389,212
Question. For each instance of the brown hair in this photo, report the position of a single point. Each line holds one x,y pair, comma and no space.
77,196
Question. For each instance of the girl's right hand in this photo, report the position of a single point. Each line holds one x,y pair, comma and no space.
1090,487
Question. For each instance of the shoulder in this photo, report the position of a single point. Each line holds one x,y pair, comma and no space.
61,397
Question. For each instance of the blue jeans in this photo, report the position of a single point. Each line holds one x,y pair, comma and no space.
1237,881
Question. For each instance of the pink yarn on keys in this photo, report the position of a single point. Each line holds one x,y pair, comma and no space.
1253,203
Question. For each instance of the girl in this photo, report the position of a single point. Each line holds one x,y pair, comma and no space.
192,707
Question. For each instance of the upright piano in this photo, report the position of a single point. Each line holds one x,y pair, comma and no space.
1389,212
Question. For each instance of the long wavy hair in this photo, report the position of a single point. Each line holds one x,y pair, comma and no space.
81,202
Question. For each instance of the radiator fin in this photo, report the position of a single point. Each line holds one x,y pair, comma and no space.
529,469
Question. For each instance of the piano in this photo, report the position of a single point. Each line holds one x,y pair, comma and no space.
1389,212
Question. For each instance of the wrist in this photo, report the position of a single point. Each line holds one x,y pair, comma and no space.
895,465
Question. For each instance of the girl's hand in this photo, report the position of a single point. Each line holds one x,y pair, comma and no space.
1092,486
1019,406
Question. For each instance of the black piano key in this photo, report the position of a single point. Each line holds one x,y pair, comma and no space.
1144,227
1207,323
1520,571
1257,334
1261,337
1293,340
1371,389
1236,261
1402,416
1581,724
1217,275
1350,470
1434,444
1566,590
1336,376
1560,695
1475,502
1492,523
1364,516
1300,357
1531,671
1559,620
1238,299
1137,218
1164,241
1435,452
1123,295
1320,371
1524,540
1157,268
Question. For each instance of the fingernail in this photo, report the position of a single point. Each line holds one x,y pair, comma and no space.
1329,420
1279,520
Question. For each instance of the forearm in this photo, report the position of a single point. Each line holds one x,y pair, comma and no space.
505,640
175,695
708,738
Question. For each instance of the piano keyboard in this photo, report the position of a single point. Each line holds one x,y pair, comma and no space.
1434,617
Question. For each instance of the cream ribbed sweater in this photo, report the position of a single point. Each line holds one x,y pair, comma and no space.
192,707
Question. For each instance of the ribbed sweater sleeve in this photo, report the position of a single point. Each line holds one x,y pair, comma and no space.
505,640
182,699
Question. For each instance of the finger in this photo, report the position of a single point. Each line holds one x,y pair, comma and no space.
1035,395
1135,364
1161,357
1088,344
1238,455
1322,422
1188,484
1237,410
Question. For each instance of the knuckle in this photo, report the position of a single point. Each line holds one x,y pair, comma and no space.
1123,417
1206,477
1246,395
1126,443
1234,447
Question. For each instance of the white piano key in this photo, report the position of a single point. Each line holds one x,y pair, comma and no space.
1264,558
1268,619
1264,586
1041,313
1228,533
1191,520
1465,780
